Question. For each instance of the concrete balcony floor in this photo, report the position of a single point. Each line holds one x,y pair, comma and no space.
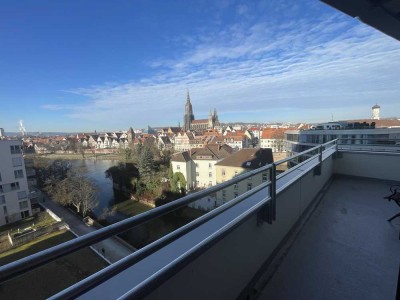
346,250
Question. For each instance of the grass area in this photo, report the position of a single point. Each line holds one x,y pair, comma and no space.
39,220
52,277
131,208
43,242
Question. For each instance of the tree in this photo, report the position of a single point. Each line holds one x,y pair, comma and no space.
178,183
279,136
75,190
146,164
123,175
50,173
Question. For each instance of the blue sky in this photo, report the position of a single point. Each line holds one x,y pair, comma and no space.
71,65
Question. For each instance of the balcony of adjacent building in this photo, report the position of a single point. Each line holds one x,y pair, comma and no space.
317,231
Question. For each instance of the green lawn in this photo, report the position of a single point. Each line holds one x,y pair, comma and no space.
131,208
42,219
52,277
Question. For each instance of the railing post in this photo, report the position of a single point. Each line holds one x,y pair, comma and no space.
272,191
267,213
318,168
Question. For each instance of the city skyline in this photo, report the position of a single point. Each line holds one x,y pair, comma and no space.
71,66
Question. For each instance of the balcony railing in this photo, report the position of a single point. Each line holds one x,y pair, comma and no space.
265,210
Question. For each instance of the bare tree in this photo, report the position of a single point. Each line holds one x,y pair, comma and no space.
75,190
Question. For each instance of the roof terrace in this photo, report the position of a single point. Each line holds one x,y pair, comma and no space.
328,210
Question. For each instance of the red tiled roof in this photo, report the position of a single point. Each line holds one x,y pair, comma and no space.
273,133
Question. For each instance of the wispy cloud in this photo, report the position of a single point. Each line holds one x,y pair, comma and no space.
302,69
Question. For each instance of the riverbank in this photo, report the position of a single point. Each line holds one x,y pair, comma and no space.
78,156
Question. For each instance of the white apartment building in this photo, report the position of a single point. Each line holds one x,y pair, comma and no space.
197,165
273,138
14,192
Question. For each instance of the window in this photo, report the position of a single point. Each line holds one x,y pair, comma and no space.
197,165
17,161
264,177
209,165
1,189
5,210
223,193
0,176
223,172
23,205
197,173
210,174
249,186
14,186
235,194
235,186
15,149
178,167
18,174
2,199
24,214
21,195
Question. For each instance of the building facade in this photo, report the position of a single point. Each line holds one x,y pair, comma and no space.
373,138
242,161
198,165
273,138
14,191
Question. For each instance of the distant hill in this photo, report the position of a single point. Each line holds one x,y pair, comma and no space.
18,134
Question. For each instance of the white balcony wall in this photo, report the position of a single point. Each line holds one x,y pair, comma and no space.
372,165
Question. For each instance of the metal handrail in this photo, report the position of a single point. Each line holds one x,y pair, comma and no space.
106,273
148,285
35,260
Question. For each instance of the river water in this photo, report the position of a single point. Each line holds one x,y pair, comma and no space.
95,170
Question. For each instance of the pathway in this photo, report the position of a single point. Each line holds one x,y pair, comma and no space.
112,249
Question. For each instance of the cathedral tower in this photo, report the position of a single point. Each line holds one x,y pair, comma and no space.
189,117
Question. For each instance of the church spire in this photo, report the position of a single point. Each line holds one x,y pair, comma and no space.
188,117
187,96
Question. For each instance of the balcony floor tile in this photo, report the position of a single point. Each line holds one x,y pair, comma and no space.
346,250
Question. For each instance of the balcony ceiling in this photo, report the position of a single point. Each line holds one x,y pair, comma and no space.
383,15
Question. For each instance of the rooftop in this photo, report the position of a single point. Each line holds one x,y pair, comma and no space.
250,158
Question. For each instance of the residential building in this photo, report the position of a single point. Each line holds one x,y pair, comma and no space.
181,162
14,191
237,139
182,141
198,165
164,143
242,161
273,138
